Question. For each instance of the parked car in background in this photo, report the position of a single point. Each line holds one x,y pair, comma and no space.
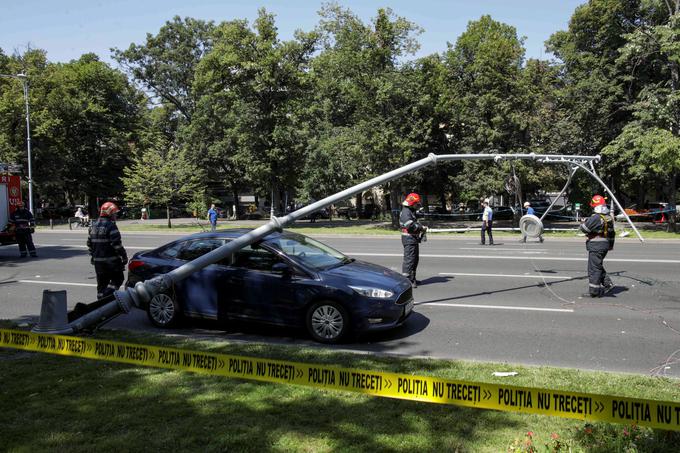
556,213
656,211
434,212
286,279
346,210
503,212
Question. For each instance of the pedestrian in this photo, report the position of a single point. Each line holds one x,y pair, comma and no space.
599,228
212,216
530,211
106,251
487,222
412,233
24,226
81,216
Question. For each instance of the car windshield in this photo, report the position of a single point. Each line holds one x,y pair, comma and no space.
308,252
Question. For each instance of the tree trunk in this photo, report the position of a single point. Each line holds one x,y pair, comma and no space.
360,205
394,203
92,208
167,212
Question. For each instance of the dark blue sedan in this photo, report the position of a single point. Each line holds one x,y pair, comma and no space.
286,279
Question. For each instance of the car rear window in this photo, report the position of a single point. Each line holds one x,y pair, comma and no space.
171,251
199,247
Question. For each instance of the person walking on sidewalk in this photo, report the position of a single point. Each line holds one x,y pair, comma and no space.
487,222
212,216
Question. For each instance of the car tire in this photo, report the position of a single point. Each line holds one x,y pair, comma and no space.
163,311
327,322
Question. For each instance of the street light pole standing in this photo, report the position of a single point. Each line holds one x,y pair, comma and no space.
24,82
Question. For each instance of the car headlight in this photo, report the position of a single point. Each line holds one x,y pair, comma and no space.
376,293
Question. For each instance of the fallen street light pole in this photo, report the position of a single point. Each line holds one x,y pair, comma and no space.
57,322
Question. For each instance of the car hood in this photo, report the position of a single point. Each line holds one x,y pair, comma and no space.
368,274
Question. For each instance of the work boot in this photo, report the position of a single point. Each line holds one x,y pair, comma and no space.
523,240
590,295
540,239
607,288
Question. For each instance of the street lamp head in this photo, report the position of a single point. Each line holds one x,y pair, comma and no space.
21,76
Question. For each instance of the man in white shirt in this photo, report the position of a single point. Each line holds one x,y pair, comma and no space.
487,222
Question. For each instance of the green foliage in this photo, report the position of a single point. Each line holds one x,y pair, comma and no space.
160,173
166,63
343,102
247,119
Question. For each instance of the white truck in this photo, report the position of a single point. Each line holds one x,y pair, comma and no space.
10,196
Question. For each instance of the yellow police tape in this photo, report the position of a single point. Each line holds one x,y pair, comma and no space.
582,406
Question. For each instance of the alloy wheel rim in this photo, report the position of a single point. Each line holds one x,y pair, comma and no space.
162,308
327,322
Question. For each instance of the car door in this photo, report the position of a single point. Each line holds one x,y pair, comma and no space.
199,293
256,291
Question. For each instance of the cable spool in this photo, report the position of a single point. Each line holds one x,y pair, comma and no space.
531,226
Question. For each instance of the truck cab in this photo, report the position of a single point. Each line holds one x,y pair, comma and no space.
10,195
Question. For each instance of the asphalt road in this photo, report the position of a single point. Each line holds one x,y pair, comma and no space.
509,303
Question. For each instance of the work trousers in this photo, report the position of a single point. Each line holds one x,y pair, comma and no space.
25,241
486,226
597,276
411,256
109,278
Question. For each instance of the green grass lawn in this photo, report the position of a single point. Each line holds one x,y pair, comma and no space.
53,403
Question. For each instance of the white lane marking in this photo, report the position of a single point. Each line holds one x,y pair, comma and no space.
537,258
43,282
499,307
554,277
494,249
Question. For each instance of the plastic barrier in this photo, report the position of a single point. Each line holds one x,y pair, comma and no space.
430,389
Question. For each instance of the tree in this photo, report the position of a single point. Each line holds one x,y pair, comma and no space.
166,63
86,126
161,177
648,148
487,102
360,94
33,63
250,92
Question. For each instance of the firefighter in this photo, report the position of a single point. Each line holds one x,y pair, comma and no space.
599,228
24,225
412,232
106,251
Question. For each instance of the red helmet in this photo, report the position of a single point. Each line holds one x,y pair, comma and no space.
598,200
108,209
411,199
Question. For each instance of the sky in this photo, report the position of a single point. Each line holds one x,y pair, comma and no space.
66,29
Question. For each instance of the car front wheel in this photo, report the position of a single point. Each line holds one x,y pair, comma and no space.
163,311
327,322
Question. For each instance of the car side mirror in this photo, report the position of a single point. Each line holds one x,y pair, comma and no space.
281,268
